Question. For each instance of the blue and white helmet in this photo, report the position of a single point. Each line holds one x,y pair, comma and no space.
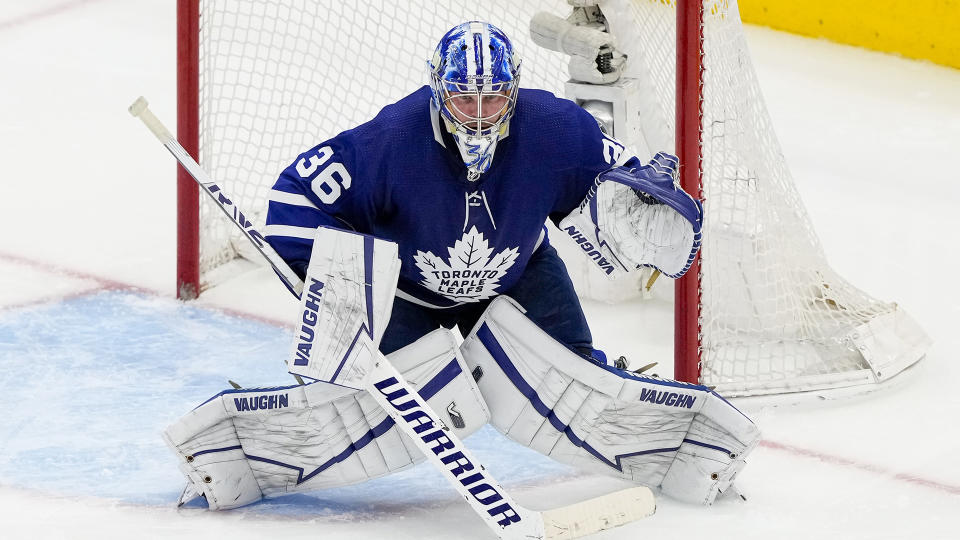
474,77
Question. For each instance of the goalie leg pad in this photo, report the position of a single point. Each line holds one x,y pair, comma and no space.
682,438
242,445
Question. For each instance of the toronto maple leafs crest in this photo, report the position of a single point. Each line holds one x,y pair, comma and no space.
471,272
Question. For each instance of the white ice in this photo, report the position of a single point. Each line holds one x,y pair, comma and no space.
87,317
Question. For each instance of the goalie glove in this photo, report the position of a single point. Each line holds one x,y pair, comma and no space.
638,217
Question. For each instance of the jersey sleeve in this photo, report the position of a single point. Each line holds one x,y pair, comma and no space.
323,186
595,152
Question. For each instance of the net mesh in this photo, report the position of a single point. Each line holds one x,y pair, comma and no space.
278,77
775,316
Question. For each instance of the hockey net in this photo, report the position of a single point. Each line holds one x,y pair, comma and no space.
277,77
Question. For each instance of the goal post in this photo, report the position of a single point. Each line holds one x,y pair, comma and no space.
689,102
760,313
188,134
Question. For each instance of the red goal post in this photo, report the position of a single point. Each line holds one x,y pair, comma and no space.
689,118
188,133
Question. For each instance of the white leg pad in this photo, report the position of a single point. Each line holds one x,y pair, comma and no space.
242,445
682,438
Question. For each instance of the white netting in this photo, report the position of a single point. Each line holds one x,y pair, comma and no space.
277,77
774,316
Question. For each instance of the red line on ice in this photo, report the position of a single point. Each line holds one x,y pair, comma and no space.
100,283
39,301
43,13
875,469
107,284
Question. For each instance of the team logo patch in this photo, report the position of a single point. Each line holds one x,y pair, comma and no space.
472,271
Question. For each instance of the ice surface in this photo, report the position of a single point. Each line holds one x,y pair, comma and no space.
91,370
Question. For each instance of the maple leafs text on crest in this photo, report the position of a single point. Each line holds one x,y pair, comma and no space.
471,272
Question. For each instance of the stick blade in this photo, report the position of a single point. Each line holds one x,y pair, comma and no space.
599,513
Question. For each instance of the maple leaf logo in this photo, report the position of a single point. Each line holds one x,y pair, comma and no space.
471,272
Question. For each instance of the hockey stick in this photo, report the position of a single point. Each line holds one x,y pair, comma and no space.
415,417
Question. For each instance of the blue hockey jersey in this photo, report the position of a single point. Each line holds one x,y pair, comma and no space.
400,177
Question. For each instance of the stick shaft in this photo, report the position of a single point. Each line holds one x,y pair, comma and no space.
444,449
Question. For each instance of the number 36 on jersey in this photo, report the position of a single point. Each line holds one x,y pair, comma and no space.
331,179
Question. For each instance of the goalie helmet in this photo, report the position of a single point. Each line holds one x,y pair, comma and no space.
474,76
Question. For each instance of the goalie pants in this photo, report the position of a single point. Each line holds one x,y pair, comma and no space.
545,291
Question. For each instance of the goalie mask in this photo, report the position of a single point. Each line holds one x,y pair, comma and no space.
474,77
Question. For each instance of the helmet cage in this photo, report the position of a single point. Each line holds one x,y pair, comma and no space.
477,108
